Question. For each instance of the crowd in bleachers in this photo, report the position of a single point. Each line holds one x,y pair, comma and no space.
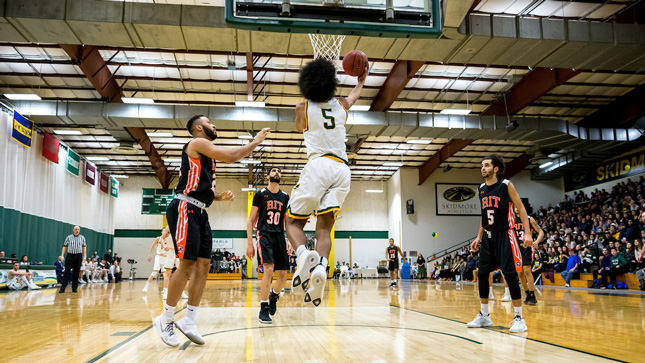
603,231
223,261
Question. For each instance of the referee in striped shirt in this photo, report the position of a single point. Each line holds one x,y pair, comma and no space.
76,252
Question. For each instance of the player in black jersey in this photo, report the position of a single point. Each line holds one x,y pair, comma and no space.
393,261
188,222
267,214
499,246
526,277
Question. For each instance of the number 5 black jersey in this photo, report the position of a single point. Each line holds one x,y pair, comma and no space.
272,208
497,208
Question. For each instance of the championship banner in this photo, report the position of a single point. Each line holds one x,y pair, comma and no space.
90,173
73,162
50,147
222,243
457,199
612,169
104,183
114,187
22,129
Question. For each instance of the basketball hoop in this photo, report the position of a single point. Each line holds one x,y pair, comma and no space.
327,46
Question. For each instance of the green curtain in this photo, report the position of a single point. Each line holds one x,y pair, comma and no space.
41,239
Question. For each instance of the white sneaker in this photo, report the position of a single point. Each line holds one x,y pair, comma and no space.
166,330
567,285
480,321
506,297
491,296
33,286
314,294
164,295
145,289
190,331
518,325
105,279
306,262
184,295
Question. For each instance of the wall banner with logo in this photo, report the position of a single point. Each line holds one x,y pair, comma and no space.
90,173
621,167
114,187
73,162
457,199
22,129
50,147
104,183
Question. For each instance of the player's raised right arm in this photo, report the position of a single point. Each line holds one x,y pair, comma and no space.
356,92
301,119
151,248
227,154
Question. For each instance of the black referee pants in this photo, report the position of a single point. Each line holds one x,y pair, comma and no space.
73,261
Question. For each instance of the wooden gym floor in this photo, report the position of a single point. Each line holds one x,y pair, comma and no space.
360,321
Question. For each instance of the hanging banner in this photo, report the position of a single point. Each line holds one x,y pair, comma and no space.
90,173
114,187
22,129
457,199
50,147
621,167
104,183
73,162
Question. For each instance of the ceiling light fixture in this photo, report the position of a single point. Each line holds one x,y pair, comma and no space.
172,160
512,125
250,161
160,134
360,108
373,191
137,100
249,104
455,111
120,176
97,158
67,132
447,168
245,137
249,189
392,164
22,96
546,165
419,141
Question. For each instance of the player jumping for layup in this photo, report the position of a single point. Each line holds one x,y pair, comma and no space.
267,213
189,226
325,180
499,247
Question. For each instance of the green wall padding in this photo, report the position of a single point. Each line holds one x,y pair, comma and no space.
41,239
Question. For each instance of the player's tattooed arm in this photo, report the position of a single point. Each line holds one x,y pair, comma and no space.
539,230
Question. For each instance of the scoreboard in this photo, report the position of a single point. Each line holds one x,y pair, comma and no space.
155,201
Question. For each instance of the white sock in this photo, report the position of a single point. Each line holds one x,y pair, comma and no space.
485,310
168,312
165,289
518,310
301,250
145,287
490,289
507,291
191,312
324,261
264,301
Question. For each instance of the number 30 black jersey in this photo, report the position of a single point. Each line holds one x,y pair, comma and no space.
272,208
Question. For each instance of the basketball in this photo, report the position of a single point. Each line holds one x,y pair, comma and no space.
354,63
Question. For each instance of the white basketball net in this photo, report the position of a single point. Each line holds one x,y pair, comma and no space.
327,46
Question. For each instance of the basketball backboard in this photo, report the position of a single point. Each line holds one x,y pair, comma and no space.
377,18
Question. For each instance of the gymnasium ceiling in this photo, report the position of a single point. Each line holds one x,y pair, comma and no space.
185,58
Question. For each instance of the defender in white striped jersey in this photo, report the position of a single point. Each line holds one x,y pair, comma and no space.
325,180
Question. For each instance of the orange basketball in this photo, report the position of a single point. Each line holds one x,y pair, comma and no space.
354,63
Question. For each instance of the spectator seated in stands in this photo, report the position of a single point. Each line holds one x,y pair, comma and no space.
292,262
538,265
24,261
17,279
60,269
573,268
102,270
618,267
414,270
588,260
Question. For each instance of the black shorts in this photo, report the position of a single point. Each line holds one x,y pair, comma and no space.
272,248
393,265
500,250
527,255
190,230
